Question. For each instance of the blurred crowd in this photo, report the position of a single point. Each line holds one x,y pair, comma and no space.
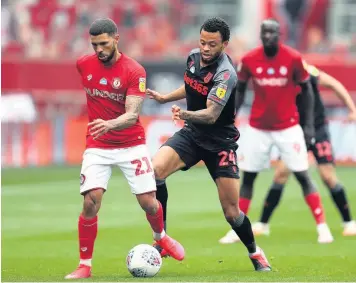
149,29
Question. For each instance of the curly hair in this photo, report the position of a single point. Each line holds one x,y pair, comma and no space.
217,25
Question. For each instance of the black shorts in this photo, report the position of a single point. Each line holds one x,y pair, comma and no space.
322,148
221,163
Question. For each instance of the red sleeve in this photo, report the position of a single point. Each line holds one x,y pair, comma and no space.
137,82
243,72
301,70
78,67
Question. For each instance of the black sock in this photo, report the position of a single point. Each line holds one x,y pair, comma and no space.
271,201
162,197
339,197
243,229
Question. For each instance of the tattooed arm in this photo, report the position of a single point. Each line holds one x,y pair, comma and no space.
133,106
224,84
204,116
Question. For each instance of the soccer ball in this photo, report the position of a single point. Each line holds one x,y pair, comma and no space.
143,261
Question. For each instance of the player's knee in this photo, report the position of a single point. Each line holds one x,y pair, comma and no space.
330,181
231,213
92,203
328,176
148,202
248,179
160,171
306,182
281,176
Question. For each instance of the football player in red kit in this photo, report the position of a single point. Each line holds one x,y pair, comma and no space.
275,70
115,87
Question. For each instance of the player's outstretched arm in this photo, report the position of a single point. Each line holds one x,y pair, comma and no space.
172,96
330,82
224,84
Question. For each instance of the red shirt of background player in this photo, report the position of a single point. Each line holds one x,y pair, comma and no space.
106,89
274,81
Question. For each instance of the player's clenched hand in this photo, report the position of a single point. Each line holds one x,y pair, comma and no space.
152,94
99,127
175,113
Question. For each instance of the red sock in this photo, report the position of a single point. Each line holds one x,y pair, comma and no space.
244,204
314,202
156,221
87,230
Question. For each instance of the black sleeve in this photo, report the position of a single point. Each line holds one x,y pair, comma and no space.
306,103
240,94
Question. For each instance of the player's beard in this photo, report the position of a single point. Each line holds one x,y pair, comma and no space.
212,59
112,54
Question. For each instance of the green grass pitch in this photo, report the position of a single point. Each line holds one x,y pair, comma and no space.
40,208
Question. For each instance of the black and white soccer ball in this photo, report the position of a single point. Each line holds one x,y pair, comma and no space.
143,261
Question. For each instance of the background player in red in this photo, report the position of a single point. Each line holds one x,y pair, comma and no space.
275,70
323,154
115,86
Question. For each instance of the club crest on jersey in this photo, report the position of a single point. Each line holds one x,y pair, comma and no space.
208,77
283,70
270,71
142,84
259,70
89,77
116,83
103,81
192,69
226,76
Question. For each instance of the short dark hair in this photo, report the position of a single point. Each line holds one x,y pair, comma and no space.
101,26
217,25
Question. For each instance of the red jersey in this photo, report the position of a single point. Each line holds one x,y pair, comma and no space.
106,90
274,82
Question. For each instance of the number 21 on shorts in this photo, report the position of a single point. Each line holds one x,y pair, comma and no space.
142,168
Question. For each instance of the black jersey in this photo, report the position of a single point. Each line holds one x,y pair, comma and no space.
216,82
319,108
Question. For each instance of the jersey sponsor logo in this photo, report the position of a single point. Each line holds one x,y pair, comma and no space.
116,83
194,84
105,94
208,77
103,81
221,91
283,70
142,84
271,81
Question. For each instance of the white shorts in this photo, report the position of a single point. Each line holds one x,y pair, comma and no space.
134,162
256,145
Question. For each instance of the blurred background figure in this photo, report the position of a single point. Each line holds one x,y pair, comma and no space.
41,40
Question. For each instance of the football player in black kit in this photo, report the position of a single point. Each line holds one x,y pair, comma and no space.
209,133
322,151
